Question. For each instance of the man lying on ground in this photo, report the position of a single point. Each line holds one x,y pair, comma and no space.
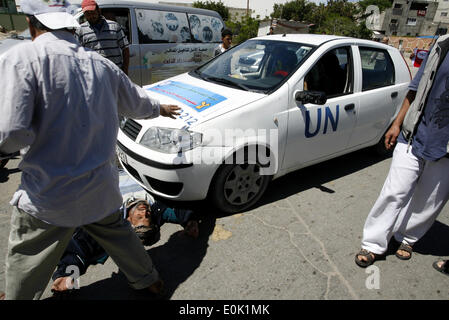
146,221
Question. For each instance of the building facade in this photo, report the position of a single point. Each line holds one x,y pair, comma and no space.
412,18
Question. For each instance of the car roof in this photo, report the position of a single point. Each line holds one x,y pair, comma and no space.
317,39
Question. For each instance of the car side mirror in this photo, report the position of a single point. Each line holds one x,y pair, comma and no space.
315,97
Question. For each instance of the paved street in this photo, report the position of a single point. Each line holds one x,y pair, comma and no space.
299,243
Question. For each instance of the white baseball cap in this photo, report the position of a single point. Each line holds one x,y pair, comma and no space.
54,14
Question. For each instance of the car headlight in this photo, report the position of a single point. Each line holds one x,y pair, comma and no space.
170,140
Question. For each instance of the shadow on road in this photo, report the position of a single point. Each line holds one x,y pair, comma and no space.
5,172
434,242
317,175
175,261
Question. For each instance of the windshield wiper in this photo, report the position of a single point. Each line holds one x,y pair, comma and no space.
228,82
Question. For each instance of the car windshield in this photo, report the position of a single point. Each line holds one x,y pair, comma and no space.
255,65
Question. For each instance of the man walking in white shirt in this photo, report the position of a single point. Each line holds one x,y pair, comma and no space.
61,102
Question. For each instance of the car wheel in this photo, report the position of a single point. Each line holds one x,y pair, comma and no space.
237,187
3,163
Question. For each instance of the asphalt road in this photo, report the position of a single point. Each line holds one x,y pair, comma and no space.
298,243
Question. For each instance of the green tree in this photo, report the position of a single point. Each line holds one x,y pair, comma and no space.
298,10
243,30
336,17
215,6
382,4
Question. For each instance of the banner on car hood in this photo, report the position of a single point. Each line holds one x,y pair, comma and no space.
194,97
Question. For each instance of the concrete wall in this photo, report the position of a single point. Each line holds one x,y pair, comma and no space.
407,44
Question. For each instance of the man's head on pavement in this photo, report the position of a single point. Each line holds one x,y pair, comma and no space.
47,15
139,215
91,11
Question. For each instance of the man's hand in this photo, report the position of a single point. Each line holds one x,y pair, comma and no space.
169,110
391,136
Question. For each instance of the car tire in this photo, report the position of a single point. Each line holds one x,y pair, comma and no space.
237,187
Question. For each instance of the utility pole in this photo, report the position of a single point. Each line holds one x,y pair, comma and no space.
247,8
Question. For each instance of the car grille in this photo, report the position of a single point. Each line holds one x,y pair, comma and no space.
131,129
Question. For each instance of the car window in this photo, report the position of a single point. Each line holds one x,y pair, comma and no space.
256,65
156,26
119,15
331,74
205,28
377,68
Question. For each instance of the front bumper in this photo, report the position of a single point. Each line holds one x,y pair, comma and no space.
186,181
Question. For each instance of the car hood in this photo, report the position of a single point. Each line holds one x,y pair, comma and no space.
8,43
200,100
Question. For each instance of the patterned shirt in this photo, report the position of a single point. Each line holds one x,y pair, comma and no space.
432,135
106,37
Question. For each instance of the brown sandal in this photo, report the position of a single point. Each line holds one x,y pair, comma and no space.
444,268
370,258
407,248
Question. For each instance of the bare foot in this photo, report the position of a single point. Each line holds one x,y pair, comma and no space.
2,295
62,284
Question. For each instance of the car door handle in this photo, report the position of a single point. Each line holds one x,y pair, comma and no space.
394,94
350,106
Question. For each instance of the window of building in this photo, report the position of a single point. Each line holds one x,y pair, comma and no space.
418,6
444,14
411,21
395,20
397,5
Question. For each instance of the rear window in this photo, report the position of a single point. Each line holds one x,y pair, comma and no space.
377,68
162,26
205,28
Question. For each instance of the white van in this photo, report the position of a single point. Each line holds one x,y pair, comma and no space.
165,40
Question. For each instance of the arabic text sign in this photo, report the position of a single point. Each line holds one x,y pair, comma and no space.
196,98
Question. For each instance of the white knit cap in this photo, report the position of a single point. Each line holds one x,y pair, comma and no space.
54,14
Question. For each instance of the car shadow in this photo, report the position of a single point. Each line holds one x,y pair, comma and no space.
175,260
317,175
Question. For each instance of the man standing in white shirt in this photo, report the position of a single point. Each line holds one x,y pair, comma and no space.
226,39
61,102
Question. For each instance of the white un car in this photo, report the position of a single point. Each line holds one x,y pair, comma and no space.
308,99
